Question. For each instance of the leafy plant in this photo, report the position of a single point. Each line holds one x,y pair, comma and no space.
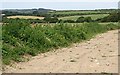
20,38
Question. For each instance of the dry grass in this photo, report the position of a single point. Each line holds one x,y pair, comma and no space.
26,17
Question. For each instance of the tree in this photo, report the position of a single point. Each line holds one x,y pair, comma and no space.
80,19
87,19
51,19
35,12
113,17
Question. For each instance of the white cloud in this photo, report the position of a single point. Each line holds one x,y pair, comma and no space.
59,0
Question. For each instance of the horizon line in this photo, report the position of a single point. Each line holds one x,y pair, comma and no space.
55,9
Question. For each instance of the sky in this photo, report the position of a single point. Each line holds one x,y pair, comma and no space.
59,4
59,0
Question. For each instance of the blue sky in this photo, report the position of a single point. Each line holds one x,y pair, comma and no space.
71,5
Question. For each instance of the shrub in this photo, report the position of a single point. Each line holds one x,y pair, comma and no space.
19,38
51,19
87,19
80,20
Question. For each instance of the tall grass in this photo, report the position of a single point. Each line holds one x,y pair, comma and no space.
20,38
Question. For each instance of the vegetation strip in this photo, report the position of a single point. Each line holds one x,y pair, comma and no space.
20,38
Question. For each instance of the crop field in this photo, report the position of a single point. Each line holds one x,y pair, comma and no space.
93,16
25,17
72,12
79,11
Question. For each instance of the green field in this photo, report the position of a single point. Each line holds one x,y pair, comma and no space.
80,11
94,17
72,12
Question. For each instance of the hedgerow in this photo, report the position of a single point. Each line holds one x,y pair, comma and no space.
20,38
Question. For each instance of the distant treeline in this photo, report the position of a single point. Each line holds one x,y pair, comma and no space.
45,12
26,12
99,10
35,13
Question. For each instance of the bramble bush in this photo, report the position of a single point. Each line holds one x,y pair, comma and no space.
20,38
